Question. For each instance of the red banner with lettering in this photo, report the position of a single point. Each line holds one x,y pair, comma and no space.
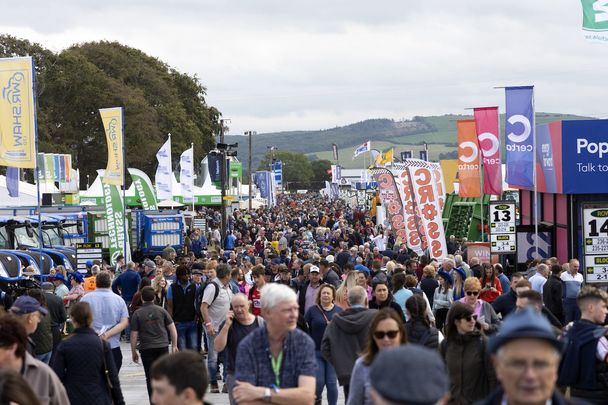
391,199
469,173
486,124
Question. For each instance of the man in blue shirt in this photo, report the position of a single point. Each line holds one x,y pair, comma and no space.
276,363
127,284
110,314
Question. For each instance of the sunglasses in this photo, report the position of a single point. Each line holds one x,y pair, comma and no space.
470,318
392,334
472,292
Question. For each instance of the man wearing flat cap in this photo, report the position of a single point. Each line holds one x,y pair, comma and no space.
396,379
526,356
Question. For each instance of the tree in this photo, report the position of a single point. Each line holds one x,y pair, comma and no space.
320,174
297,171
74,84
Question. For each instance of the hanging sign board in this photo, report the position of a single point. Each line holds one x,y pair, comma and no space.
595,236
502,227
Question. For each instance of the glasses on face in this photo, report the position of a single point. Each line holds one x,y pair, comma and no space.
380,334
470,318
475,293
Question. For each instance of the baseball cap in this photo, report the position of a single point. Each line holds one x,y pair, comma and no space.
149,263
360,267
395,375
314,269
58,276
524,324
78,276
24,305
330,258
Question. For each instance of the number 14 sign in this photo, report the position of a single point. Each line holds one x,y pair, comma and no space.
595,234
502,227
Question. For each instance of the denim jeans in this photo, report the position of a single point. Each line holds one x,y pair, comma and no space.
212,360
326,377
571,311
186,335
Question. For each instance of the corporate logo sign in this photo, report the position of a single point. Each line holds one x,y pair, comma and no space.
585,156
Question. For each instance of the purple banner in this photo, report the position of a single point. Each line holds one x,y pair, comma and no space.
12,181
519,130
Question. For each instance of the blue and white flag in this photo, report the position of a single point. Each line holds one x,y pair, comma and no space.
366,147
186,174
163,172
277,169
336,174
12,181
519,130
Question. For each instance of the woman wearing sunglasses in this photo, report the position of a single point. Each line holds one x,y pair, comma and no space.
386,331
486,316
463,350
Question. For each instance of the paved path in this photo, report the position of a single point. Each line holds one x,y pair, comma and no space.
133,383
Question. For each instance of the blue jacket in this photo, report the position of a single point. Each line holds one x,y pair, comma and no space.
128,283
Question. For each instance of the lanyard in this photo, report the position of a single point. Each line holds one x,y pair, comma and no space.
276,367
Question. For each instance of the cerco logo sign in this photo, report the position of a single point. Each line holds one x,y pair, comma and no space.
472,155
493,143
526,130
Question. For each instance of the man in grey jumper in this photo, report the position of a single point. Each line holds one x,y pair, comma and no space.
346,335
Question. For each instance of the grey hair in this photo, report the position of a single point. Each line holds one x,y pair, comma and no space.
357,295
273,294
458,260
94,269
242,296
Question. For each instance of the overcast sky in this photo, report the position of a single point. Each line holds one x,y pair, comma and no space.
284,65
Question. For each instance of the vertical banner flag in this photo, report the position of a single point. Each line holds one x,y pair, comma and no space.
486,124
56,167
391,199
335,150
17,113
186,174
260,182
49,168
336,174
277,169
408,154
214,167
424,155
12,181
468,159
116,222
366,147
519,130
40,166
427,201
595,20
164,172
144,189
413,238
112,119
62,165
439,183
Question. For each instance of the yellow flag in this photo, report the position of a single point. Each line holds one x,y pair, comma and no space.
17,113
112,123
387,157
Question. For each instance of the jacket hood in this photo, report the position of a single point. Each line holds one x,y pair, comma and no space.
353,320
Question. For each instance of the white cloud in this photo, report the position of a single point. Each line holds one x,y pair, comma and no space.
284,65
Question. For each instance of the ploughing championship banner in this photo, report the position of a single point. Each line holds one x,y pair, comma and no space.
486,125
186,174
519,130
391,199
595,20
144,189
113,125
469,170
164,171
116,222
17,113
413,238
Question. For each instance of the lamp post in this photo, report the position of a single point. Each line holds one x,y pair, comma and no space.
87,181
249,133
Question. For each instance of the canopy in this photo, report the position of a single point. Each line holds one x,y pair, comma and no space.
28,195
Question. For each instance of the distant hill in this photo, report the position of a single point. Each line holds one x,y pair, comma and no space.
439,132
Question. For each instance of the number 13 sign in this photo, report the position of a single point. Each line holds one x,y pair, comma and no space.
502,227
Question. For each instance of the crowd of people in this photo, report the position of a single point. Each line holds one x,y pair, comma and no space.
299,300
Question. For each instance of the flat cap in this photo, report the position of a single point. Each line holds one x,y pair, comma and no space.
521,325
410,374
149,263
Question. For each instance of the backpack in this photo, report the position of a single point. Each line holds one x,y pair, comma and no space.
198,296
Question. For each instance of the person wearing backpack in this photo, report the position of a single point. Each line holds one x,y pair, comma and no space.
214,308
180,305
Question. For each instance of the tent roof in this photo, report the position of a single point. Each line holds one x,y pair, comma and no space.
28,194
